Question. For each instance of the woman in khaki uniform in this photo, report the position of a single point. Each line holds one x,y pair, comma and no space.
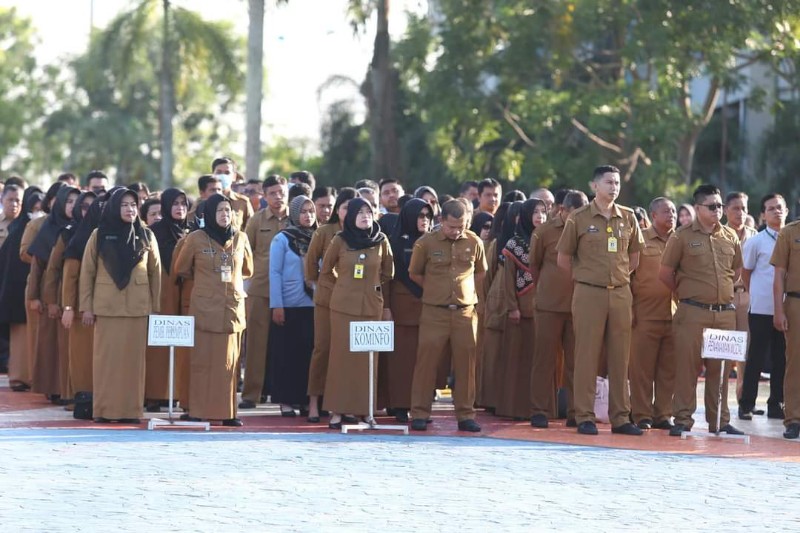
168,231
49,374
318,370
13,275
120,285
52,288
358,261
218,258
396,369
518,340
81,336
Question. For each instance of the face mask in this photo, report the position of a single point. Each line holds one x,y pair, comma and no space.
37,214
225,180
201,223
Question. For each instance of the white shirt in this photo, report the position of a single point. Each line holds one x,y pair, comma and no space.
756,253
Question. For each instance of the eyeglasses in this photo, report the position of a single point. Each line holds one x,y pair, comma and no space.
712,207
487,226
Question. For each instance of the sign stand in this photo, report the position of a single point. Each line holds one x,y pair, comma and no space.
372,337
730,353
165,330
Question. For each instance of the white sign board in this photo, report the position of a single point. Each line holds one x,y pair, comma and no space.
371,336
170,330
724,344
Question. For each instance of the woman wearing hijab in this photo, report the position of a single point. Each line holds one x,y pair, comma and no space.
120,286
403,297
291,338
168,231
218,258
13,276
47,370
318,369
358,262
482,226
52,286
429,195
516,356
81,336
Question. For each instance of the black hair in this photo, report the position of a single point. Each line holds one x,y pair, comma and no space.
768,197
345,195
204,181
467,185
600,171
272,180
299,189
304,176
514,196
360,184
16,180
387,181
491,183
704,191
736,195
222,161
322,192
574,199
96,174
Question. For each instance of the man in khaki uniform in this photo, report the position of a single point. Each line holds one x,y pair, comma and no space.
701,263
447,263
600,246
261,229
786,295
552,317
224,169
652,362
735,212
12,206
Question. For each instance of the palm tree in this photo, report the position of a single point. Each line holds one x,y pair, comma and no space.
192,51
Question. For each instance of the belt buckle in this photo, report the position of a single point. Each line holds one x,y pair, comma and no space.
610,287
452,307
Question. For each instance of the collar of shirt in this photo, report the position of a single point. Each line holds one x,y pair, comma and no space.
442,237
284,213
697,227
772,233
651,233
615,212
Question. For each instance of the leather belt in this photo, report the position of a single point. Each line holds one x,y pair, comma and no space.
454,307
793,294
709,307
609,287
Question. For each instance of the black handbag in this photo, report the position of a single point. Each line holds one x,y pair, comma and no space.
83,406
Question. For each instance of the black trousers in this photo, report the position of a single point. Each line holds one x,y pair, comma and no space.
765,341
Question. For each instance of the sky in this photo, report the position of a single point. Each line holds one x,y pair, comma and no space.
305,43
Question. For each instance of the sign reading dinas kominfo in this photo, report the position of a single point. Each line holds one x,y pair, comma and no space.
170,330
724,344
371,336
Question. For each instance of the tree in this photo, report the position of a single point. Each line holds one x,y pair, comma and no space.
193,53
254,83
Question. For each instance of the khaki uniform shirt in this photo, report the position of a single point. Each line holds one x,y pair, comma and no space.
362,296
449,267
100,295
652,300
705,263
586,239
260,231
745,234
218,306
554,287
320,242
786,255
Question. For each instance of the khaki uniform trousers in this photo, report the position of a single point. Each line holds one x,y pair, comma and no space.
258,321
652,370
741,300
437,326
318,368
791,380
687,330
602,319
554,335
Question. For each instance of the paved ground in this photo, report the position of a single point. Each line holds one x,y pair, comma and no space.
278,474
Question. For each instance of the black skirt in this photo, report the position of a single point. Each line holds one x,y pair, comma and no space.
290,348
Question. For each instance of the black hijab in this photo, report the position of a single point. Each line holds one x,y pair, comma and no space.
53,225
168,231
214,230
403,239
479,220
509,228
13,270
524,228
121,244
88,223
355,237
77,216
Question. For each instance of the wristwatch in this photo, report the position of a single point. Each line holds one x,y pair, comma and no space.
68,308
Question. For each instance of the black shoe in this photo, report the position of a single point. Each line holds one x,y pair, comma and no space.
335,425
792,431
247,404
587,428
539,421
468,425
288,414
129,421
153,407
324,413
627,429
232,422
775,412
20,387
101,420
348,419
419,424
572,423
312,420
758,412
729,429
191,418
677,430
185,417
664,424
645,423
745,414
401,415
303,412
